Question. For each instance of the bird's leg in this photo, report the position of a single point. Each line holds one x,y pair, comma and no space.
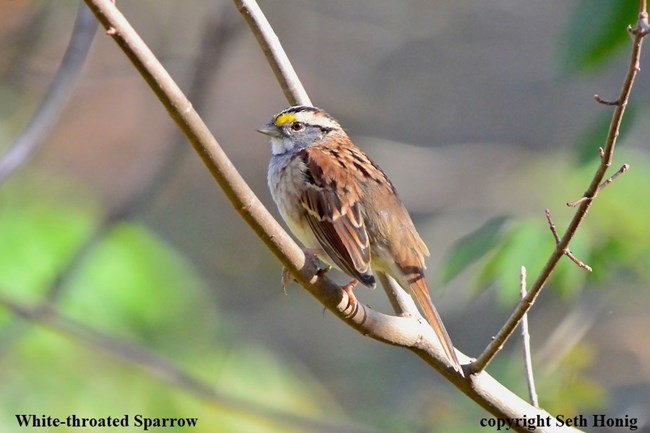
352,300
311,254
314,255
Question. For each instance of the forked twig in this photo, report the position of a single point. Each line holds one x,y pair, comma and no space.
624,168
639,32
567,252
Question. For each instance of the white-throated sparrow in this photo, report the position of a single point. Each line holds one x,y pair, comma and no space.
340,204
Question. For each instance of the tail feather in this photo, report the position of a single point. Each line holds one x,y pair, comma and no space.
420,291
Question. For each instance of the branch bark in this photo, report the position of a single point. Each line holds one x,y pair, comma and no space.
275,54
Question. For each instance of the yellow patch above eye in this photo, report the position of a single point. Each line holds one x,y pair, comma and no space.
284,118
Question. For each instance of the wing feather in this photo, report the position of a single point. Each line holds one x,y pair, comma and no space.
333,211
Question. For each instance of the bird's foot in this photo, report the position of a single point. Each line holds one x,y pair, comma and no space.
285,279
352,300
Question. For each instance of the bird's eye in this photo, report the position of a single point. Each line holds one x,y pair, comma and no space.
297,126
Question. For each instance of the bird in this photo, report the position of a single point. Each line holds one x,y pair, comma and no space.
344,209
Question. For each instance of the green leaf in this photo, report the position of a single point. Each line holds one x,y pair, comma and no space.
36,241
596,30
471,248
132,281
527,244
596,134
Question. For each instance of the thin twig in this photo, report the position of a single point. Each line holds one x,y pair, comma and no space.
551,225
49,112
164,370
624,168
577,261
508,328
275,54
567,252
525,337
604,101
578,202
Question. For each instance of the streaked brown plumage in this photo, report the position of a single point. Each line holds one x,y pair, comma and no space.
338,201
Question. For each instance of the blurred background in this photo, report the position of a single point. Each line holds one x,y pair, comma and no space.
482,113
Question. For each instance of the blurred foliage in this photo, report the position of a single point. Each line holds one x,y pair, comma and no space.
569,390
129,279
472,247
131,285
527,243
38,236
612,240
595,135
595,33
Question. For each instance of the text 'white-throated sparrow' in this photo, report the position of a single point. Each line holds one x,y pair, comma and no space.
342,206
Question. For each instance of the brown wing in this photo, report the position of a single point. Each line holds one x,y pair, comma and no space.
401,251
333,210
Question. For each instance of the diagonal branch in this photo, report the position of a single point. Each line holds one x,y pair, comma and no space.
275,54
639,32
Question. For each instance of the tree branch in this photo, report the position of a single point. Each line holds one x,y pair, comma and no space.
400,300
166,371
55,101
639,32
275,55
220,30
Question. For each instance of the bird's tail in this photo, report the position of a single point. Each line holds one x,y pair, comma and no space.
420,291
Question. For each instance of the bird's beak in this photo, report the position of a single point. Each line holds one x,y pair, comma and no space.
270,129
